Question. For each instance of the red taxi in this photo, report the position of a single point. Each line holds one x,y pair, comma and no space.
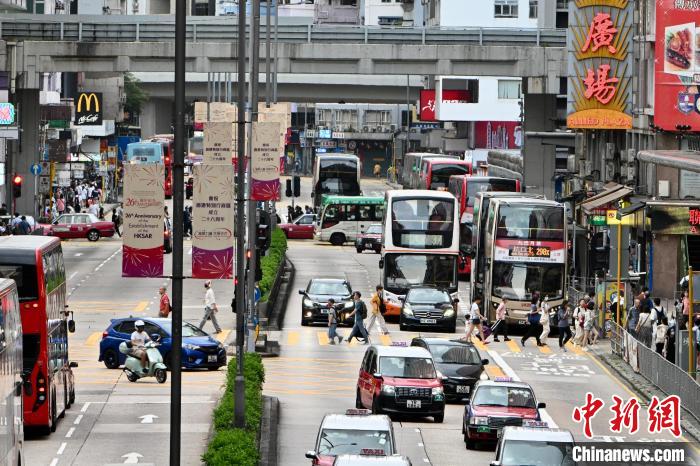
82,225
495,404
301,228
400,379
357,432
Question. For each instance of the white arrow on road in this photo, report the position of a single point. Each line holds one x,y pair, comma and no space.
148,418
132,458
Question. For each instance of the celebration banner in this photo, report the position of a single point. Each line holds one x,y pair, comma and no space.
218,111
219,143
282,119
144,199
212,222
265,162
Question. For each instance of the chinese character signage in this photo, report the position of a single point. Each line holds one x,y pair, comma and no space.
218,112
144,199
530,251
265,162
675,220
600,64
88,109
283,120
449,96
212,222
677,64
219,143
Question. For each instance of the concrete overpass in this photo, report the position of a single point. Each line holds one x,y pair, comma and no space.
145,43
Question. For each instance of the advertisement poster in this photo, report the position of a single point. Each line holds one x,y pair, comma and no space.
144,199
550,252
677,65
498,135
600,65
212,222
218,112
675,220
427,101
219,143
265,162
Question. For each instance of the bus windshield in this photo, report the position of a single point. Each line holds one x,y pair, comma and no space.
422,223
144,152
25,277
519,281
530,222
493,185
403,271
338,177
442,173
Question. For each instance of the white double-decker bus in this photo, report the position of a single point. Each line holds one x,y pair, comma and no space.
420,244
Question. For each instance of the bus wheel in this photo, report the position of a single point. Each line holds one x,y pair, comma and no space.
93,235
71,397
337,239
53,413
65,398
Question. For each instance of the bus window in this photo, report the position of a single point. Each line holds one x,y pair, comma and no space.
351,214
365,213
25,277
30,351
331,216
530,223
378,213
425,223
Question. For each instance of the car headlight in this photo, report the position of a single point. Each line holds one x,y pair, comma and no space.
407,310
437,391
479,421
388,389
308,302
190,346
349,305
449,313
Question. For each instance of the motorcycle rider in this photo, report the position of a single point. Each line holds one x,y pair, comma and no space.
138,341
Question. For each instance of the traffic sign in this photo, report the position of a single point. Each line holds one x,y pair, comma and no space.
44,185
35,169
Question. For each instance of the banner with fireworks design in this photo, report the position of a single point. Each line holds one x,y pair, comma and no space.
265,162
212,222
144,199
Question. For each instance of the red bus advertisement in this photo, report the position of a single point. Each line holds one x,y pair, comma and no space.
35,263
435,173
465,188
168,143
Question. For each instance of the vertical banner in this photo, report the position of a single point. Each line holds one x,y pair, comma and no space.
265,167
282,119
212,222
144,199
219,143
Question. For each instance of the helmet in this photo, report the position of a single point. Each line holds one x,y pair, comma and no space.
139,323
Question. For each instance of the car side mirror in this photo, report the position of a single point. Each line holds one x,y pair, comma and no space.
484,362
381,263
311,455
541,405
73,364
377,375
302,291
155,337
71,326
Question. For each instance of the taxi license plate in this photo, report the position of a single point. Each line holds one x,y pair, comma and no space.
428,321
325,311
212,358
462,388
413,403
369,246
483,429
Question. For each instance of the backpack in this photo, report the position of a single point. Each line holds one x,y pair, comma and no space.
363,310
534,319
660,313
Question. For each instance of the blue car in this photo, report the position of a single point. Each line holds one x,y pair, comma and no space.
199,349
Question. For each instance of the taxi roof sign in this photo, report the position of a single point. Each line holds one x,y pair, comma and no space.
399,343
503,379
357,412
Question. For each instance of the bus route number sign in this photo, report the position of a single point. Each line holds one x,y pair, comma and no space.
530,251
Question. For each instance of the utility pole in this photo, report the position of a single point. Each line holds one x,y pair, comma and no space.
239,385
252,205
267,51
178,212
274,82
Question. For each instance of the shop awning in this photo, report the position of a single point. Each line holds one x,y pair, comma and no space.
629,210
681,159
613,192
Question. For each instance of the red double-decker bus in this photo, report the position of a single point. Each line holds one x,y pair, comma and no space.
35,263
168,142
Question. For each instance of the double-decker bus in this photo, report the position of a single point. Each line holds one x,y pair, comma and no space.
156,150
412,164
520,251
420,244
465,188
12,438
35,263
342,218
168,143
436,172
335,174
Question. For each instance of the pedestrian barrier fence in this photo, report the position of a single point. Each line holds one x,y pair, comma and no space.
665,375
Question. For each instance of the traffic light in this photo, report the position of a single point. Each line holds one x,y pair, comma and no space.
258,268
17,186
288,190
297,186
263,235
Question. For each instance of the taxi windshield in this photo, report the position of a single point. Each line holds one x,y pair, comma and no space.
511,397
409,368
526,453
354,442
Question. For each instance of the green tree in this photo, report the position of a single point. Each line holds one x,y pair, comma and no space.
135,95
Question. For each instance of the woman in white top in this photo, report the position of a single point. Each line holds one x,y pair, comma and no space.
475,321
578,327
544,320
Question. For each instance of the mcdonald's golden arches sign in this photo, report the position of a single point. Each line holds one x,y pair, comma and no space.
88,109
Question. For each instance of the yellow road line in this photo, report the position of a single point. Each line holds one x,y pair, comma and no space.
513,347
293,338
141,306
480,346
578,351
494,371
322,338
386,340
93,339
545,349
223,335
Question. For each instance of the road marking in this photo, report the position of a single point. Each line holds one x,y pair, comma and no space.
571,347
545,349
141,306
69,434
223,335
62,448
292,338
78,254
494,371
72,275
386,340
93,339
78,419
479,344
132,458
513,346
148,418
53,462
544,415
85,407
322,338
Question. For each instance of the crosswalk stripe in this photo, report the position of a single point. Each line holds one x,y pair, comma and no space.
494,371
386,340
141,306
322,338
571,347
545,349
221,337
513,347
480,346
93,339
293,338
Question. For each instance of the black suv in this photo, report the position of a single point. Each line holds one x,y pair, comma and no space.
315,300
428,306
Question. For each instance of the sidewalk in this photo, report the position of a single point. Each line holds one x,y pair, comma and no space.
642,387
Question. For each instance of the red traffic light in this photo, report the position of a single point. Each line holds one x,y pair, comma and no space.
17,180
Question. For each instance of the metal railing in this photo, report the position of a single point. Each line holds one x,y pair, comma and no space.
140,28
665,375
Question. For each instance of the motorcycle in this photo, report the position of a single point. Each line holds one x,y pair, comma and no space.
132,366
